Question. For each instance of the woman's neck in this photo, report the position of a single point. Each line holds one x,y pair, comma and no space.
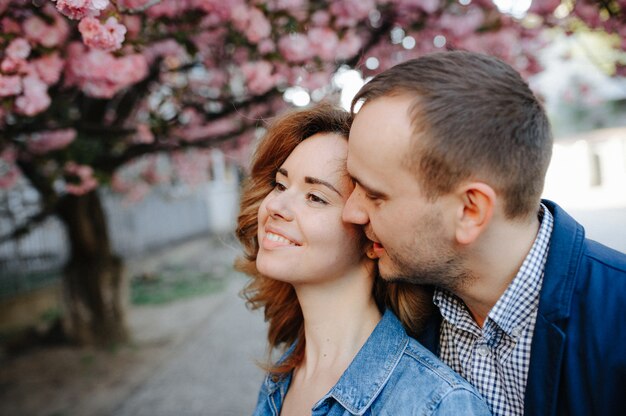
339,316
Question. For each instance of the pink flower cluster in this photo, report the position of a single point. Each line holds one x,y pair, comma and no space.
99,74
79,9
46,141
39,32
349,12
259,77
108,36
79,179
252,22
34,98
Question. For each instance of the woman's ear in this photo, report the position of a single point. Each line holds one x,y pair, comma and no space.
476,208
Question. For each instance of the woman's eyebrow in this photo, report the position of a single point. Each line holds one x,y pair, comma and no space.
317,181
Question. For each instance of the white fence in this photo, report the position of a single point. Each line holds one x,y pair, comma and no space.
165,216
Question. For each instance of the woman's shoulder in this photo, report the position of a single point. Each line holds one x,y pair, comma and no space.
423,384
419,358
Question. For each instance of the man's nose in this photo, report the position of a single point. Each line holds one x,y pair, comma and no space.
353,211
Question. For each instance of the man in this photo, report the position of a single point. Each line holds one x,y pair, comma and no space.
449,154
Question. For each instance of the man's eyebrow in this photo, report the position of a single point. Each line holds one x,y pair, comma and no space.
370,192
316,181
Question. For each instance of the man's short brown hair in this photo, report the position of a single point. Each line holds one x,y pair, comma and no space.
476,119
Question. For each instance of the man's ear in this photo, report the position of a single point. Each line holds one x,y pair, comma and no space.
476,207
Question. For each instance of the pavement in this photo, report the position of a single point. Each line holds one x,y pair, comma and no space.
195,356
213,368
213,371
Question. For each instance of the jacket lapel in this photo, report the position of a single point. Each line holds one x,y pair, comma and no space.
549,338
545,369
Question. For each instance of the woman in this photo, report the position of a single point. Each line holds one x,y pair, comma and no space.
315,277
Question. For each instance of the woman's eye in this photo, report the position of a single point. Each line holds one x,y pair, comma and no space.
278,186
316,199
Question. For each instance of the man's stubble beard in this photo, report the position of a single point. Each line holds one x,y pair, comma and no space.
433,263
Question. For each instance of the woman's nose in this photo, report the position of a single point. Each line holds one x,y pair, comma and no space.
280,206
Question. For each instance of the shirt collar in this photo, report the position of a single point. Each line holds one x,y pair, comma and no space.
512,309
371,368
366,375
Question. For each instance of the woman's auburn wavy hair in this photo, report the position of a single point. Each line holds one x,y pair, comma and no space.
412,304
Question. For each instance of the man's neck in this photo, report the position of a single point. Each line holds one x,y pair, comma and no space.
494,263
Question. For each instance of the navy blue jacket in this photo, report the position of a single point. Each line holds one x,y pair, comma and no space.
578,353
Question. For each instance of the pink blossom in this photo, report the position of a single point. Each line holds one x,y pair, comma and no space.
47,141
324,42
259,77
99,74
296,8
49,67
108,37
313,81
79,179
79,9
133,25
429,6
320,18
252,22
203,132
349,12
266,46
295,48
3,5
10,26
463,24
12,66
35,98
9,173
165,48
221,9
18,49
169,8
38,31
143,134
349,45
10,85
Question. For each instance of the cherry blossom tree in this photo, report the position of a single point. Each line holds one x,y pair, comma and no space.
89,86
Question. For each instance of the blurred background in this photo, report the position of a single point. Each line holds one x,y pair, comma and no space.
126,131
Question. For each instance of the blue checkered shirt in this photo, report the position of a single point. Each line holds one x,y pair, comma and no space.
496,357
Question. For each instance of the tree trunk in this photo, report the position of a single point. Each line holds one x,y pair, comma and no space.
94,287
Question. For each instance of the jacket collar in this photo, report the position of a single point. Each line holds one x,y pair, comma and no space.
365,377
370,370
566,245
548,346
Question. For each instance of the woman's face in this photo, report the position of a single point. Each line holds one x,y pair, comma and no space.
301,235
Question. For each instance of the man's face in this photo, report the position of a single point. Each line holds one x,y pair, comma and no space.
413,236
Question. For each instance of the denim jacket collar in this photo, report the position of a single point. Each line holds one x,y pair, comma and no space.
365,377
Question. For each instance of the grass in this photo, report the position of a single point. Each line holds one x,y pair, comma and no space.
173,283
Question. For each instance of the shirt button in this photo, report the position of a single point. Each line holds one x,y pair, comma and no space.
483,350
516,332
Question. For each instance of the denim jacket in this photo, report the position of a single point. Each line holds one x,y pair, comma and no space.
391,375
